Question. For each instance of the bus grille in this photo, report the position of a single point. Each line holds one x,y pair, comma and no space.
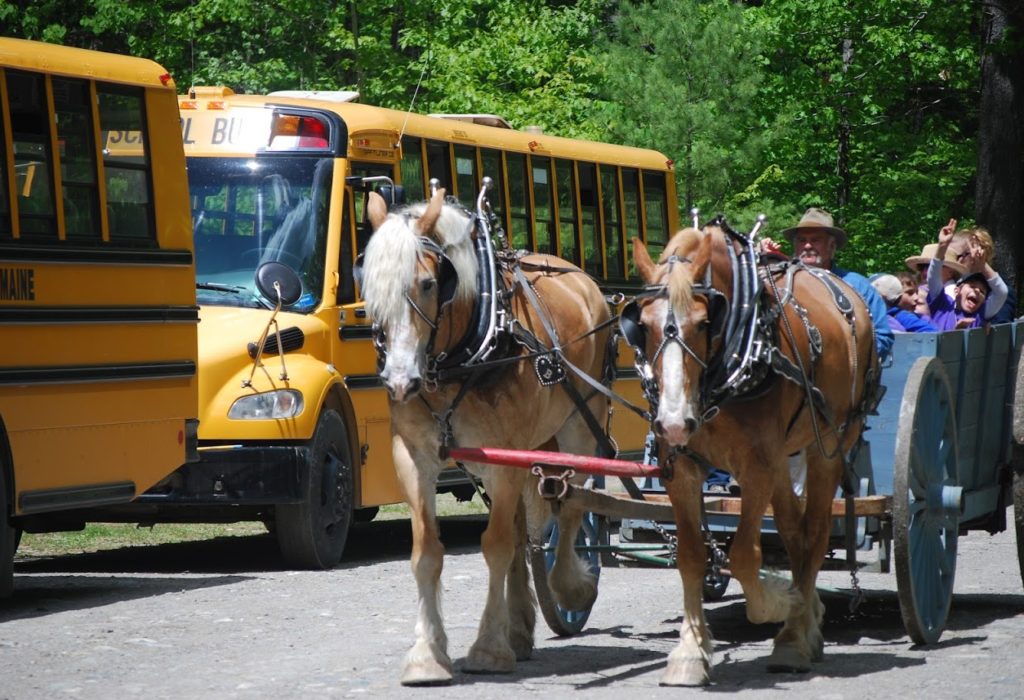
291,339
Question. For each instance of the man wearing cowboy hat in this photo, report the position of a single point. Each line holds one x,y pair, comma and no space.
815,241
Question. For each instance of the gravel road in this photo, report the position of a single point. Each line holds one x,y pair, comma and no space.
223,619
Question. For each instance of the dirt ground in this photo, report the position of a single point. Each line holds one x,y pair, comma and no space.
224,619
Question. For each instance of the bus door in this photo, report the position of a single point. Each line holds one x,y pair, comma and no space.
356,358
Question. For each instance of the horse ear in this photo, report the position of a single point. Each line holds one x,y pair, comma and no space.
429,218
644,264
376,210
703,256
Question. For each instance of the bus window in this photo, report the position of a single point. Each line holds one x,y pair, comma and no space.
519,201
26,93
567,227
491,163
363,228
631,212
543,214
465,174
129,191
77,159
655,211
612,220
439,164
412,169
5,210
592,253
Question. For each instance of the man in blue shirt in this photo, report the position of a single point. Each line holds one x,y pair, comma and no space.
815,242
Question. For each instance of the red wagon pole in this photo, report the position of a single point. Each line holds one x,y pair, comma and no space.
526,459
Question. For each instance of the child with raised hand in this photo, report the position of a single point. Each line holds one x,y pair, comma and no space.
977,296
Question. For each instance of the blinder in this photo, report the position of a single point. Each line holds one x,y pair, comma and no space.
447,281
718,310
629,323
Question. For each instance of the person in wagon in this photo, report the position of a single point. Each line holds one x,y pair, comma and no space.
897,297
977,296
816,240
952,269
974,248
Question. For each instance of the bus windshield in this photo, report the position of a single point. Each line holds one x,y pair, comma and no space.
246,212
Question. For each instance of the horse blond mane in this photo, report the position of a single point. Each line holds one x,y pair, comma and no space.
389,262
685,244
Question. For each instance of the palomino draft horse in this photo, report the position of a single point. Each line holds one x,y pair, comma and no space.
807,382
421,282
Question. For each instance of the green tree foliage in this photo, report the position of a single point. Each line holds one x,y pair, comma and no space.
878,102
683,77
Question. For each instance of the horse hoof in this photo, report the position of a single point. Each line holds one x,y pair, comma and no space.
522,645
578,597
489,661
426,672
816,643
786,659
686,672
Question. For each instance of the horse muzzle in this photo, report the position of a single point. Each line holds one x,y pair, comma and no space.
676,427
401,389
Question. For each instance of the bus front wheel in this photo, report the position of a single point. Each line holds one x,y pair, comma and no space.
312,534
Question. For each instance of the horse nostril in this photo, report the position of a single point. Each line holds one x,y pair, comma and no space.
691,425
414,387
658,428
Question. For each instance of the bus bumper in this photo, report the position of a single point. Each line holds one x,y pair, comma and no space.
235,475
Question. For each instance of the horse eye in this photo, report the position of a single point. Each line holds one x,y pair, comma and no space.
428,285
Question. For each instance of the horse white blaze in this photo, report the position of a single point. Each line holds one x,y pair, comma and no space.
676,417
403,369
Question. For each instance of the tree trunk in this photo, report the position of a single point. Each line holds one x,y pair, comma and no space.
999,189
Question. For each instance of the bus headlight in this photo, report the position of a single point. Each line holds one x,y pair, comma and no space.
284,403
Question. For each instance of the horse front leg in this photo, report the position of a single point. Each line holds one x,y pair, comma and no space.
689,664
769,597
492,651
427,662
800,641
522,607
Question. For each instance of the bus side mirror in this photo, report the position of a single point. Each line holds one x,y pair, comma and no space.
274,276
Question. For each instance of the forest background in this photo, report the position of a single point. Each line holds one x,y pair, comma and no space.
895,115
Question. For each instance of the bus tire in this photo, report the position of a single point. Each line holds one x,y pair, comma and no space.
8,535
312,534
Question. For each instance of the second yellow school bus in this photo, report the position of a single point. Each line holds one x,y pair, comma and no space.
302,441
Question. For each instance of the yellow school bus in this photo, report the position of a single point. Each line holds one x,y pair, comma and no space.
98,391
299,436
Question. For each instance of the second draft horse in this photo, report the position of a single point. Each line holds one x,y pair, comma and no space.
742,380
421,282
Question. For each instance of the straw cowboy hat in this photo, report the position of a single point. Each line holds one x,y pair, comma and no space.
815,218
928,252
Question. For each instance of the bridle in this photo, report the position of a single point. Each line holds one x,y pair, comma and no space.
447,281
634,334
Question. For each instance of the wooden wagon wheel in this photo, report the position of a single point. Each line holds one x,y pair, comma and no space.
593,533
927,501
1018,459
